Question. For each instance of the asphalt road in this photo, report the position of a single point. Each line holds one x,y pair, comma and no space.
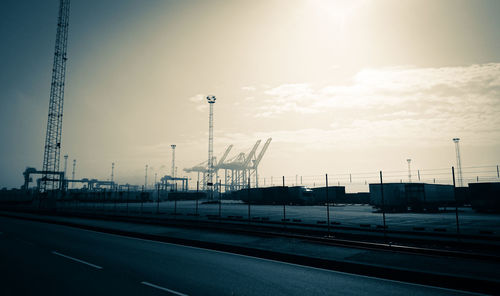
46,259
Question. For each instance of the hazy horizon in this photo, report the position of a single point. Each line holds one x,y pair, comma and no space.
341,86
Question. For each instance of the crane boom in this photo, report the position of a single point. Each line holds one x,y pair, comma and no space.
224,156
251,154
261,154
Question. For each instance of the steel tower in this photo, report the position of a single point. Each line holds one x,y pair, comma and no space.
173,160
52,151
459,162
112,172
211,102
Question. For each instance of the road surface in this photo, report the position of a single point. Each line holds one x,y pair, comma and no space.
46,259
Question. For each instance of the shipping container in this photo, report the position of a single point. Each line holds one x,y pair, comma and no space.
485,197
336,194
413,196
274,195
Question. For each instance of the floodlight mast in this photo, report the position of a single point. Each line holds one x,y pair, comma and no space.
173,159
459,162
210,171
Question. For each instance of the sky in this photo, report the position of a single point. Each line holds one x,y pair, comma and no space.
340,86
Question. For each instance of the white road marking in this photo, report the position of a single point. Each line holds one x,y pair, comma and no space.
163,289
75,259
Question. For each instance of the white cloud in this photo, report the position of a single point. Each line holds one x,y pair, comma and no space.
392,86
396,105
249,88
197,98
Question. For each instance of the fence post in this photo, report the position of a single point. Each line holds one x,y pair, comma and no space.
284,202
248,197
197,196
383,204
456,201
220,198
104,200
175,207
327,205
158,199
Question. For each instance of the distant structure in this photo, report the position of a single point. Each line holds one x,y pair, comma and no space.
73,173
65,165
409,170
237,170
459,162
112,172
210,172
173,159
146,178
51,155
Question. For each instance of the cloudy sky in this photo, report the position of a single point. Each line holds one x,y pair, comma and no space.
341,86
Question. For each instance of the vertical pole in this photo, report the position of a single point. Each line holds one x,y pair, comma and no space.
327,205
197,197
418,172
456,201
128,193
498,172
220,198
350,178
175,207
158,199
248,197
383,204
142,197
284,202
145,178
